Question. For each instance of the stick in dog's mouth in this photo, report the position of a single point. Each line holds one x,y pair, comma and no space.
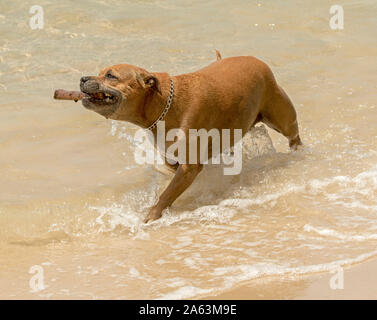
61,94
95,97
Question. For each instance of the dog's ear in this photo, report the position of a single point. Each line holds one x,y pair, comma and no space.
152,82
149,81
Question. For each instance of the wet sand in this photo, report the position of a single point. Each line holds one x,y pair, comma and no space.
360,282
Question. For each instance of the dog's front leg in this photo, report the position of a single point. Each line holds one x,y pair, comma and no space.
185,175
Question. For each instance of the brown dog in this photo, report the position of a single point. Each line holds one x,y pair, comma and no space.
232,93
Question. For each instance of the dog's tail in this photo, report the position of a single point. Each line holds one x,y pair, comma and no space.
218,55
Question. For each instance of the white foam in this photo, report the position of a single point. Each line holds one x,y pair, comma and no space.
364,183
336,234
256,142
184,293
134,273
245,203
116,215
175,282
234,274
130,214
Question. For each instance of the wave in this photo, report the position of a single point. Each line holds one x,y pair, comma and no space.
235,275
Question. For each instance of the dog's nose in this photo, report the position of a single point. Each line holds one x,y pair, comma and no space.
84,79
89,84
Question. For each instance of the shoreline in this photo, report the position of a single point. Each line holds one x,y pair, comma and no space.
360,282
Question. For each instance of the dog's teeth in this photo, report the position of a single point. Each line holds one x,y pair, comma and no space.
99,95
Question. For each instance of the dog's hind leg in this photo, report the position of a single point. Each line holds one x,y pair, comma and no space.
280,115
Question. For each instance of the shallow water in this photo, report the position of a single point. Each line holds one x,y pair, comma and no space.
72,198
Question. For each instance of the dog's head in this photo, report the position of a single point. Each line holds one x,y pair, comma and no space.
118,91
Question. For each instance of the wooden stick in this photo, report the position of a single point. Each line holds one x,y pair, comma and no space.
61,94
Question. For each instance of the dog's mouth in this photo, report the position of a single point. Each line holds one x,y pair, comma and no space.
103,97
102,100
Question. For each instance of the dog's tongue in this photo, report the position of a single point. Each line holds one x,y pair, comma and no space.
99,95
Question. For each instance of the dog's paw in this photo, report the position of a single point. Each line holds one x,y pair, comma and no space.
295,144
297,147
154,214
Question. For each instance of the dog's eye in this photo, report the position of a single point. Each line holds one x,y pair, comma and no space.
110,76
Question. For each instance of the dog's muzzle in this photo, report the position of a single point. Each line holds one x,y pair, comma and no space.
98,94
88,85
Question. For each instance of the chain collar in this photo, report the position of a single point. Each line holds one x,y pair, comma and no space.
167,106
